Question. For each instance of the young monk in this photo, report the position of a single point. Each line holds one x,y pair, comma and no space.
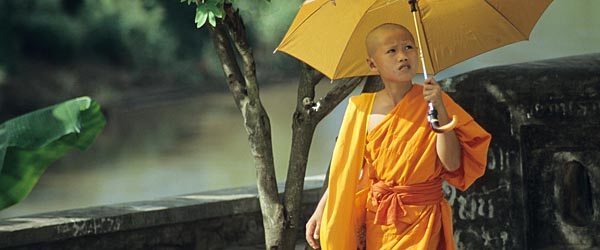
385,186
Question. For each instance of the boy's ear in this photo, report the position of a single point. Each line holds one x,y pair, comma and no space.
371,65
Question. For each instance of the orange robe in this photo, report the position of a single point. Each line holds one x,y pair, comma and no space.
401,152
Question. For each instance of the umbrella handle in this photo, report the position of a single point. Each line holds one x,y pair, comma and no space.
432,114
435,123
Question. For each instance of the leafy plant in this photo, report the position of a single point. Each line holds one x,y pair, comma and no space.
209,10
29,143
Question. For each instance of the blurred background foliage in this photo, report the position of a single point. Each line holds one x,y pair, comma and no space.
161,87
114,50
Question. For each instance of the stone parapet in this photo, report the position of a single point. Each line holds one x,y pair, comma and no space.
221,219
542,184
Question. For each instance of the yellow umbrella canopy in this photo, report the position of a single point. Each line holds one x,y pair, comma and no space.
330,35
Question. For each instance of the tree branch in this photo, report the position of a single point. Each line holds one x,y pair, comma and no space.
373,84
236,29
256,121
309,78
341,90
233,75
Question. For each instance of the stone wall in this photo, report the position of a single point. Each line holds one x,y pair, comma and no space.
225,219
542,185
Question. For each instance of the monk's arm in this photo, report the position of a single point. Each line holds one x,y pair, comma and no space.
321,205
314,222
448,148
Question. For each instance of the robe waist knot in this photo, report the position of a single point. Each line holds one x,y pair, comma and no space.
389,199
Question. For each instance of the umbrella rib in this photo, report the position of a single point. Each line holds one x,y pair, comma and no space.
507,20
433,66
484,51
301,23
346,46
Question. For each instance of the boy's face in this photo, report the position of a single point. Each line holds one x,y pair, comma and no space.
394,55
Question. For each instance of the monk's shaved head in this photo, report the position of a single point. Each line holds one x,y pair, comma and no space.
373,39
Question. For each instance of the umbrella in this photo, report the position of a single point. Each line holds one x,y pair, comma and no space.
330,35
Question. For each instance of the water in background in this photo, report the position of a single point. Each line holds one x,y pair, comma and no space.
152,150
181,146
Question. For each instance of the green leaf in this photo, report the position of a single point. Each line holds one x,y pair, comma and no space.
188,1
211,19
218,12
29,143
201,15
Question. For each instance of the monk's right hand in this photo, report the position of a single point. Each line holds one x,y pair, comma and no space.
312,230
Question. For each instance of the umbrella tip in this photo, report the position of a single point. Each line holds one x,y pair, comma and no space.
275,51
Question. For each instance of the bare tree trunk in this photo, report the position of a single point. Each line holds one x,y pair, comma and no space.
244,88
281,222
307,115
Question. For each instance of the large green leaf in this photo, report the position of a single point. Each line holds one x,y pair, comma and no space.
29,143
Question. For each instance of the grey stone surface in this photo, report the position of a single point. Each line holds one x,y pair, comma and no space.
542,185
222,219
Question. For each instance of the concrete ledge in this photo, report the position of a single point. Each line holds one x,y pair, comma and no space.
152,220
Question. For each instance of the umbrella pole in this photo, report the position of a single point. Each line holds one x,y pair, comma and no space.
432,113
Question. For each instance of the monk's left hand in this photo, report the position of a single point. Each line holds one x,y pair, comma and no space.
432,92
